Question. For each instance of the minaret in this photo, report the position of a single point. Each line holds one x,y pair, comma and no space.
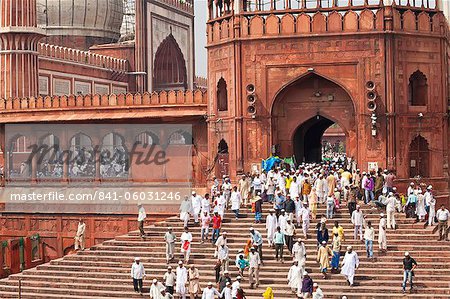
19,37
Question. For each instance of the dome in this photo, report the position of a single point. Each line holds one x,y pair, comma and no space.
99,21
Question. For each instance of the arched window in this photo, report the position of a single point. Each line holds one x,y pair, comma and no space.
418,89
114,161
223,147
82,157
222,97
170,66
18,157
180,137
147,138
419,158
20,145
50,162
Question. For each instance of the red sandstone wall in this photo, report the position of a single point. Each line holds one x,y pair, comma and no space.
57,230
121,51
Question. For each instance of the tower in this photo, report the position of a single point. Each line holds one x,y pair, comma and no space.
19,37
288,70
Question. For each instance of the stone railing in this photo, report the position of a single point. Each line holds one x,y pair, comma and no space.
83,57
185,5
163,98
334,20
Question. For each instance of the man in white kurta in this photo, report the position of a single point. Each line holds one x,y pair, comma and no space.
318,185
209,292
306,214
137,274
226,292
299,252
244,188
430,202
226,188
141,219
220,205
282,221
186,241
358,221
196,205
271,226
155,290
236,200
186,210
295,277
236,286
349,264
182,276
169,238
391,204
294,188
79,237
382,243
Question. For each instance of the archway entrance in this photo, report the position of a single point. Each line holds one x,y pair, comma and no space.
311,117
318,139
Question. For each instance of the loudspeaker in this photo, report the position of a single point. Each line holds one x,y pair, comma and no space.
250,88
251,100
371,95
370,85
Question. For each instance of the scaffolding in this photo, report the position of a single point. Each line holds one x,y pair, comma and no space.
129,20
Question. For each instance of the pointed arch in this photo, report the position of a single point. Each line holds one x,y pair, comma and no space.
222,95
322,101
418,89
169,66
222,147
419,157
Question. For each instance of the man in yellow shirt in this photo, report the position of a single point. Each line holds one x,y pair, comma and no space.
337,229
289,180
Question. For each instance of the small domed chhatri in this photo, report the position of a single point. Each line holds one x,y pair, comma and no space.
79,22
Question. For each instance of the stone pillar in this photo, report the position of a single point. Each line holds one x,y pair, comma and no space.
19,37
140,46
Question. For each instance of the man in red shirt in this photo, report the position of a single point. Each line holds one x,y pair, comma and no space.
217,223
389,181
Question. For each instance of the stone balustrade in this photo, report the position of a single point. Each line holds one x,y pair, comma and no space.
185,5
163,98
82,57
326,20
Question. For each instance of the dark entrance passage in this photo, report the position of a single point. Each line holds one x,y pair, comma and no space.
308,139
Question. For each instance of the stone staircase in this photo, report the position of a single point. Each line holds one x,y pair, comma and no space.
103,271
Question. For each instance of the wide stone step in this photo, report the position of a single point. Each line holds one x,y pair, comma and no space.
71,291
310,248
125,268
122,275
242,239
268,265
96,286
270,257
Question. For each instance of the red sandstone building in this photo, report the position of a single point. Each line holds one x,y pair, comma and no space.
279,75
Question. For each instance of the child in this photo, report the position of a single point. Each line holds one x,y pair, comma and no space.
243,264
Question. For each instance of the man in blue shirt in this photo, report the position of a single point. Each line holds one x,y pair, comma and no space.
410,206
279,243
257,240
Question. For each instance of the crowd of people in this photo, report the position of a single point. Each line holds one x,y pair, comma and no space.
293,196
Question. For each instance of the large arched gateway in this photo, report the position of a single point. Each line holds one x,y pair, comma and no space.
304,109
